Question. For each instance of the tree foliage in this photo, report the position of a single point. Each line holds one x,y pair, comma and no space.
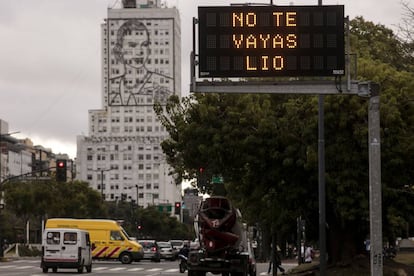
35,201
266,148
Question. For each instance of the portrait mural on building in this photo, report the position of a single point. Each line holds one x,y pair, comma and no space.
135,75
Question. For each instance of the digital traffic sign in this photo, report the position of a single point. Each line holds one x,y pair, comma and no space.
271,41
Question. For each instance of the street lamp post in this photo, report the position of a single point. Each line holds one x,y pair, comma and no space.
102,182
136,186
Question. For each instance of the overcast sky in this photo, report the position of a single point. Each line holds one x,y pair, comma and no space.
50,63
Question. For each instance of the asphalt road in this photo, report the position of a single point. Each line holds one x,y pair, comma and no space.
31,267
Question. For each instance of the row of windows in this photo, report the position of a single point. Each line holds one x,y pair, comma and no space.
130,129
128,147
148,186
148,22
131,120
151,196
153,44
125,156
148,177
137,61
138,71
141,33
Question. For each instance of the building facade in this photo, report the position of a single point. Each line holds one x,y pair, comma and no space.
141,64
21,160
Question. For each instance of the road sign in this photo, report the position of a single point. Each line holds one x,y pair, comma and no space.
164,208
270,41
217,179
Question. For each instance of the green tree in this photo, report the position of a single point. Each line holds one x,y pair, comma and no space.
36,200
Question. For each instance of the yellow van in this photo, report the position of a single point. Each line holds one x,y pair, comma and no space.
109,240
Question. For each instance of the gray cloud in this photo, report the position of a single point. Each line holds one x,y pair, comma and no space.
50,50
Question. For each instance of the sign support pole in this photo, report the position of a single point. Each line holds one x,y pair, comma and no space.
375,195
322,185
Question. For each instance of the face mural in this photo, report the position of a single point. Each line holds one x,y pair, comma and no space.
137,78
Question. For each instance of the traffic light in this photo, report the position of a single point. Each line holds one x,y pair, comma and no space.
177,206
202,178
61,170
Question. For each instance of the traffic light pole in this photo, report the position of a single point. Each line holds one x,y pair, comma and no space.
1,186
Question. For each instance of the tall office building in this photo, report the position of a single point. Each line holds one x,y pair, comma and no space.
141,64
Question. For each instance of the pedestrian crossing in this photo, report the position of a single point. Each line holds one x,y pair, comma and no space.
96,267
117,268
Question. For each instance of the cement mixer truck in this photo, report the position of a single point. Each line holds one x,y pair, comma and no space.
223,244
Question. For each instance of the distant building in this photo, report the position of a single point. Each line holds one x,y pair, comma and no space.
15,157
20,159
141,64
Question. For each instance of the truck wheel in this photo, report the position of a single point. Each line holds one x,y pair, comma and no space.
125,258
54,269
44,269
89,268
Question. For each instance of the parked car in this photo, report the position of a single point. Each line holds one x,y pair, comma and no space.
177,245
151,250
166,251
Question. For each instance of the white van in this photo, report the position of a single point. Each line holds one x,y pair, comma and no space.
66,248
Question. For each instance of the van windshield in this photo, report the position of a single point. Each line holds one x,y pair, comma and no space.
125,234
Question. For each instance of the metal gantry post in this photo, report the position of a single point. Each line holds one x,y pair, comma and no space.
375,194
322,189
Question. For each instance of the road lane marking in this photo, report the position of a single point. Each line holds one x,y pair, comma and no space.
136,269
171,270
8,266
100,268
24,267
154,269
117,268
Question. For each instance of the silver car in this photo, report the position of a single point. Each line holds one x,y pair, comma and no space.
151,250
166,250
